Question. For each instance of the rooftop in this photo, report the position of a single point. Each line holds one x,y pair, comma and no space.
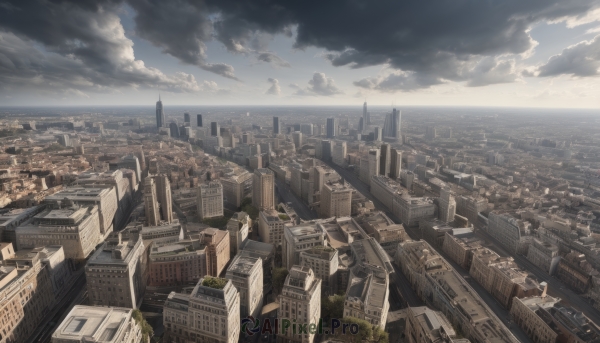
93,324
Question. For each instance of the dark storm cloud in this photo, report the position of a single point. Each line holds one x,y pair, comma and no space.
86,48
580,60
273,59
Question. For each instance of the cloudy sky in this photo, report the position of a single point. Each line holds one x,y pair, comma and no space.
533,53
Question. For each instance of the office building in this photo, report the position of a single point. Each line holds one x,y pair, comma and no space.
237,185
217,250
332,127
307,129
512,233
543,255
122,258
104,198
424,325
326,150
336,200
176,263
377,134
199,120
270,226
163,193
215,129
430,133
26,297
447,206
297,139
528,314
211,313
210,200
340,153
300,238
246,274
263,193
276,126
160,114
395,163
186,118
392,126
239,228
369,165
77,229
151,206
385,160
324,262
12,218
300,302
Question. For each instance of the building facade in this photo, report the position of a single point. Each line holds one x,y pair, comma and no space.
300,302
246,274
210,200
263,192
336,200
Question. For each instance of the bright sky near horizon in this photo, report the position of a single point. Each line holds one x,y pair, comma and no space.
535,53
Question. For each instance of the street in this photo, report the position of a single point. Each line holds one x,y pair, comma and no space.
498,310
285,194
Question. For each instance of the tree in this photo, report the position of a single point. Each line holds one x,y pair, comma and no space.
332,307
366,332
147,330
279,275
214,282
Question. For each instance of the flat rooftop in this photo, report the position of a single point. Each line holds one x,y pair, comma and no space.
101,324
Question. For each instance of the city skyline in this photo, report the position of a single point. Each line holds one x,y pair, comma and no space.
541,55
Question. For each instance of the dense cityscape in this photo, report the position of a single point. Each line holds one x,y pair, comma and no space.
400,225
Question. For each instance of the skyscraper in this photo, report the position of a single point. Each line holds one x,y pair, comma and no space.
186,117
276,126
447,205
385,160
199,120
391,127
160,114
215,130
163,193
365,116
174,129
263,193
361,125
395,163
332,127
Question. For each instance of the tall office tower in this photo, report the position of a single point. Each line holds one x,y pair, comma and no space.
326,150
215,129
160,113
340,152
392,126
395,163
369,166
307,129
297,139
276,126
385,160
263,193
365,116
199,120
210,200
174,130
151,202
300,301
377,134
186,118
447,205
163,192
430,133
361,125
332,127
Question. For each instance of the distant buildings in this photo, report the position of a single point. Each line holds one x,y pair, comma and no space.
263,193
215,129
392,126
447,206
199,120
157,200
160,114
93,324
270,226
332,127
210,313
210,200
239,229
276,126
